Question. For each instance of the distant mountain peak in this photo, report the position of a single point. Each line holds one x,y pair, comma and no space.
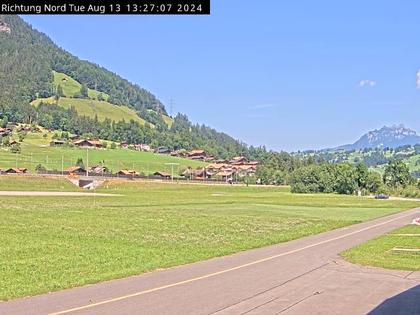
388,136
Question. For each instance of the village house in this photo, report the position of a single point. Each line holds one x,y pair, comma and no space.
163,150
15,171
238,160
124,145
99,169
238,167
225,175
200,173
199,155
4,132
255,163
162,175
75,170
57,143
88,143
179,153
245,170
128,173
143,147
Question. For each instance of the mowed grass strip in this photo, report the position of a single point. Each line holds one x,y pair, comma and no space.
35,183
53,243
379,252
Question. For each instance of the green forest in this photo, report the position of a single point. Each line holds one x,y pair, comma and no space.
27,64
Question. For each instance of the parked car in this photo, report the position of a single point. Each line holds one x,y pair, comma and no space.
381,196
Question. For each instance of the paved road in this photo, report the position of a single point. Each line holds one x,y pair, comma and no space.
305,276
53,194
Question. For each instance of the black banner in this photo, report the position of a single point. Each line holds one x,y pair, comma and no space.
85,7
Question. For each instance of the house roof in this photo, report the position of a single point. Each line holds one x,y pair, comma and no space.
216,166
243,167
238,158
163,174
98,168
16,170
197,152
72,169
224,173
128,172
92,142
253,163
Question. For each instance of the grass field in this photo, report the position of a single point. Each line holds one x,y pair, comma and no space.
92,108
72,87
51,243
379,253
168,120
36,150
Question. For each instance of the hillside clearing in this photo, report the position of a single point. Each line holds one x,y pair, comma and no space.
71,87
92,108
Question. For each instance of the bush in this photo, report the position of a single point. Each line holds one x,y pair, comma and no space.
6,141
40,169
411,191
15,149
21,137
374,182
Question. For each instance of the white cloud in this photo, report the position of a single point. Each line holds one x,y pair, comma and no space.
367,83
418,79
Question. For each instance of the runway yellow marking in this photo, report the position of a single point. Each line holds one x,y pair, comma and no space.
128,296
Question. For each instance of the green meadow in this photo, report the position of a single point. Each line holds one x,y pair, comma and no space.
379,252
51,243
35,149
72,87
94,108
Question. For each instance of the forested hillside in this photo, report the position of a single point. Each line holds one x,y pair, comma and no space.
29,57
28,60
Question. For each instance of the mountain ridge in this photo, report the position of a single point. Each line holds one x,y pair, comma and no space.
386,137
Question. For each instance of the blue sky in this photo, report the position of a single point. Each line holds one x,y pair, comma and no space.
286,74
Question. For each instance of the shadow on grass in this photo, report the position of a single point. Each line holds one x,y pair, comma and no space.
405,303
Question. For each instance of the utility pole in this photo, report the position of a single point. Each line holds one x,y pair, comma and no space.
87,162
172,169
62,165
